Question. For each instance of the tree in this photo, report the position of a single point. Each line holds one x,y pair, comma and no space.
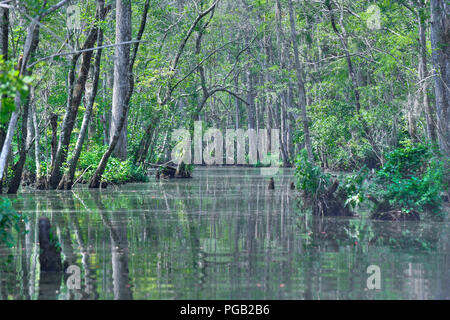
440,41
123,78
30,46
300,84
75,97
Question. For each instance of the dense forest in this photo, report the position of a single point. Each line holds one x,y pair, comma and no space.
92,90
348,99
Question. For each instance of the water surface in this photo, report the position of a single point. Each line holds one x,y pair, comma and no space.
220,235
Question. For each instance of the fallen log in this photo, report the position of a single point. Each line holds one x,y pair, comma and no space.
330,203
169,170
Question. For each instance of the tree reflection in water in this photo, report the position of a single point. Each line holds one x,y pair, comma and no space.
221,235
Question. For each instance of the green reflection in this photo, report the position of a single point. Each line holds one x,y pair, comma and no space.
220,235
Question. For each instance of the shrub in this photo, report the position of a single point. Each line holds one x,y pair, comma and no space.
410,182
117,172
310,179
353,187
412,178
320,191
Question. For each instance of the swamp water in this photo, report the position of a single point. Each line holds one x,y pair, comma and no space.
220,235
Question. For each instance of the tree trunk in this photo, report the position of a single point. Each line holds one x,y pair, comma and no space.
440,42
72,110
121,77
142,151
423,74
300,84
30,46
237,103
18,168
67,180
4,32
39,179
30,124
249,79
54,142
412,107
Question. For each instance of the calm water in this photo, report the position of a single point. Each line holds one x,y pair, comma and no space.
221,235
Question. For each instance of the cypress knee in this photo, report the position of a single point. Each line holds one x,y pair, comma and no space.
271,184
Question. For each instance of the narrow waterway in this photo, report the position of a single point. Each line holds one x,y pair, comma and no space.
220,235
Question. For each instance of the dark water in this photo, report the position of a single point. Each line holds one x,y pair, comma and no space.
221,235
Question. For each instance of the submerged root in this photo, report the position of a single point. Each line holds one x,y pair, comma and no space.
331,207
328,203
384,211
41,183
182,171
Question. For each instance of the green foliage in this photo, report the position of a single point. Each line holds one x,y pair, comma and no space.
119,172
310,179
189,168
11,84
116,172
9,220
412,178
353,187
337,134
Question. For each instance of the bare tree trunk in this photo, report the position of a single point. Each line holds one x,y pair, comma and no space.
4,32
300,84
423,74
121,76
412,107
237,103
54,142
282,136
144,145
250,97
18,167
39,179
105,115
268,99
440,40
30,124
